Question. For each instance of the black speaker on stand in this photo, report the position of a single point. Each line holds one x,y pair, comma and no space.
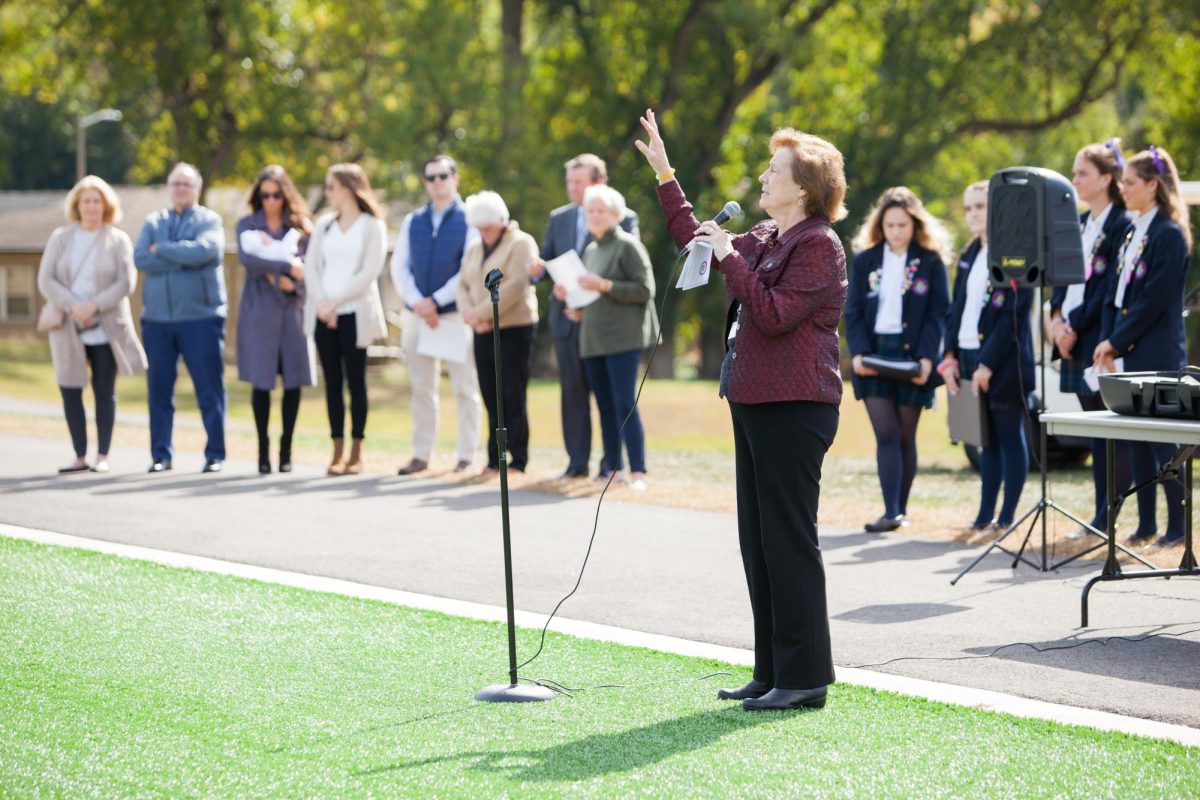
1034,240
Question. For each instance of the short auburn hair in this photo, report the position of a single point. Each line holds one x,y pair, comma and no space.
819,168
112,204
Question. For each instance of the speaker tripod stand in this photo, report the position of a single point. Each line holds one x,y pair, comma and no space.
1041,510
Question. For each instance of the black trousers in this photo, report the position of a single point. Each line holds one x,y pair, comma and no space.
343,360
104,382
575,401
779,450
516,357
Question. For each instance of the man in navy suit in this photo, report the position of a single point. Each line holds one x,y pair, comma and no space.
567,230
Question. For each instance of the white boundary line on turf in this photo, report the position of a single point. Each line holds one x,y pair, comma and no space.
930,690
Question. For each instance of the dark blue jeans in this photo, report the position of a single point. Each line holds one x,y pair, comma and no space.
200,343
613,379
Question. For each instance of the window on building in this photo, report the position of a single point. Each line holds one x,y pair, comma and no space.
17,287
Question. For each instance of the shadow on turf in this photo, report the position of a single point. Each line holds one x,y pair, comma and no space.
605,753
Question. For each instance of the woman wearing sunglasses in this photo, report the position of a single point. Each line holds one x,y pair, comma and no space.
270,339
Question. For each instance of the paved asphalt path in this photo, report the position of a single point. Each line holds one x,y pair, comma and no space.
655,569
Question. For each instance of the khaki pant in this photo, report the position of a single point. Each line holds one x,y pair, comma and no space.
425,376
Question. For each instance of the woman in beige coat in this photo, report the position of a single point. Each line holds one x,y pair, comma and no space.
343,312
501,245
86,276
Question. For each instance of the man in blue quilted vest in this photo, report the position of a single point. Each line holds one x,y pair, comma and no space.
425,265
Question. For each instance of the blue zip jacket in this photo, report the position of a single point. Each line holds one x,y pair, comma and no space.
184,277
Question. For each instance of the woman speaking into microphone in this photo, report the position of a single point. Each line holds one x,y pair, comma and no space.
786,283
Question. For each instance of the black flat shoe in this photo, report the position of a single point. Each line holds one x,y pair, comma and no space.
751,689
1139,538
782,699
885,524
160,466
216,465
264,468
1168,540
70,468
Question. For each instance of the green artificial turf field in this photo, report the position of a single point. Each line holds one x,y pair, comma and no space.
128,679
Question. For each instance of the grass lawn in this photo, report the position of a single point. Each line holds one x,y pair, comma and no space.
688,436
128,679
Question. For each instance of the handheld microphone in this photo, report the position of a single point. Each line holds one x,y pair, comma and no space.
732,210
492,279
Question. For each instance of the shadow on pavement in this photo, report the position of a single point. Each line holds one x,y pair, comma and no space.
891,613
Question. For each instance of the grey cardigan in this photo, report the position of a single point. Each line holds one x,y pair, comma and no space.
115,278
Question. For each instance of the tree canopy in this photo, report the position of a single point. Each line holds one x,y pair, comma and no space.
929,93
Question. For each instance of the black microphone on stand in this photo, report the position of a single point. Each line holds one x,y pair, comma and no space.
732,210
511,692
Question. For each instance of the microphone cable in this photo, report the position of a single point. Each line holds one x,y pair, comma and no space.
596,519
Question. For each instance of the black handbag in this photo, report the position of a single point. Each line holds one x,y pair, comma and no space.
893,368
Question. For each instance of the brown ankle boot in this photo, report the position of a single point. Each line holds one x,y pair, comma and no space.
354,465
336,467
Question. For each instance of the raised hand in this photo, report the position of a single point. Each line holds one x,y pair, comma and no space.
654,150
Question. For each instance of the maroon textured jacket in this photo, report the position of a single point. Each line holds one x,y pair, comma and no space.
790,290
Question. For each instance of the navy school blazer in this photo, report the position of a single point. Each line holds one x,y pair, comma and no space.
1086,319
1005,343
1147,331
923,314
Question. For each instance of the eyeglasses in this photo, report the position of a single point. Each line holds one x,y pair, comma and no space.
178,184
438,176
271,195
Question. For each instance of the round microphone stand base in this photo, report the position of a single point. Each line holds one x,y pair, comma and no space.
513,693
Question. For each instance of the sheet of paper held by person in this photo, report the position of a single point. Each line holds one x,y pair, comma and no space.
565,270
447,341
696,270
1092,378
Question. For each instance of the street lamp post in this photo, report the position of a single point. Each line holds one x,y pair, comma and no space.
85,122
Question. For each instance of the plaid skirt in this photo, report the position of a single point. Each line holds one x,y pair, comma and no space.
891,345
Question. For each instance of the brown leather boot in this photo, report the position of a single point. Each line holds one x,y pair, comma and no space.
354,465
336,467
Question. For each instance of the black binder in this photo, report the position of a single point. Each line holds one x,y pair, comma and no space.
894,369
968,415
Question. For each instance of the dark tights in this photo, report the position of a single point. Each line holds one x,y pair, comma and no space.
895,450
260,401
104,381
1005,460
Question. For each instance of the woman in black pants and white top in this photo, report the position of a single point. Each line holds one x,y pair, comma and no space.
896,308
343,311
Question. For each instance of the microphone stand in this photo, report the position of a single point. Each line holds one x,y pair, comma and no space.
511,692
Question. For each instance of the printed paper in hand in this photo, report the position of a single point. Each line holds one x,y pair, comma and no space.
447,341
697,269
1092,378
565,270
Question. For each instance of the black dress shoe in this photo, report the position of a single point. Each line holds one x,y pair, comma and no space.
216,465
1167,540
885,524
781,699
160,466
569,473
1139,538
751,689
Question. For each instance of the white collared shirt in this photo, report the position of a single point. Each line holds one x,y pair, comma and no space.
889,312
977,283
1141,224
1091,232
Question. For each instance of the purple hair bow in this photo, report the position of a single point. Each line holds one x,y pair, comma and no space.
1114,145
1158,163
